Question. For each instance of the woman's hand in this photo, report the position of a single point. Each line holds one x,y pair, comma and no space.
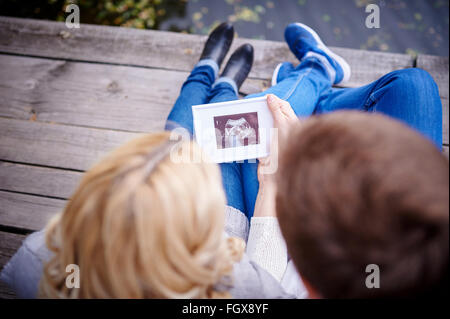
283,119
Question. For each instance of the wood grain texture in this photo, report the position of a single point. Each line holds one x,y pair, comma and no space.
88,94
6,292
56,145
9,243
43,181
438,68
156,49
27,211
97,95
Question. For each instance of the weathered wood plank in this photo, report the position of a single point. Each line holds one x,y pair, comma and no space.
156,48
9,243
96,95
438,68
37,180
6,292
27,211
87,94
56,145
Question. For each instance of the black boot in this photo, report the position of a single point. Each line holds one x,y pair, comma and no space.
239,64
218,43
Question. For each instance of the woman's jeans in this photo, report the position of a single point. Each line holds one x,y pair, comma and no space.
409,95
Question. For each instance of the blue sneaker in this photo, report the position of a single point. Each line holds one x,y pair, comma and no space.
281,72
304,42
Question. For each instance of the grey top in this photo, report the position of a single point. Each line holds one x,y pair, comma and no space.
24,270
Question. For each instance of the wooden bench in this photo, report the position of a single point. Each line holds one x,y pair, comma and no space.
68,96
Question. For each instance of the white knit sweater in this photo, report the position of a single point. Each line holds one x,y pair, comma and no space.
266,247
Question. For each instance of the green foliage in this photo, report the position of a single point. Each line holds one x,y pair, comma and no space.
407,20
142,14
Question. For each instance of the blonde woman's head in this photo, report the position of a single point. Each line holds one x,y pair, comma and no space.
142,226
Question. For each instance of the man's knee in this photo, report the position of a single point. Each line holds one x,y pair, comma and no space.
414,78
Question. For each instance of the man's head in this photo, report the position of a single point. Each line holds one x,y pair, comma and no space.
356,189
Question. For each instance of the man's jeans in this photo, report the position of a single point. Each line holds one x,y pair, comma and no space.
408,95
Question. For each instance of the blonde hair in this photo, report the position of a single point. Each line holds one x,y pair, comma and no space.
143,228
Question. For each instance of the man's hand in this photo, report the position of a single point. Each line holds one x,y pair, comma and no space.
283,114
283,118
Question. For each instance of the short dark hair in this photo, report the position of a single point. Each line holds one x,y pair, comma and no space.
357,189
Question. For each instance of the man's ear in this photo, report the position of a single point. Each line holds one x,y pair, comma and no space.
312,292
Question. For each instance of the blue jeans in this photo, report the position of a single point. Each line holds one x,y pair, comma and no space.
408,95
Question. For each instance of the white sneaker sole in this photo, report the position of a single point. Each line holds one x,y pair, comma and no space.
275,74
344,65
